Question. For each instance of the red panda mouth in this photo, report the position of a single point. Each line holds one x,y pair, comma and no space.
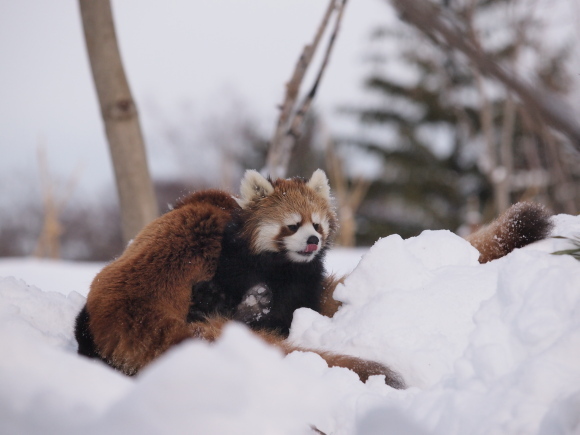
306,254
310,248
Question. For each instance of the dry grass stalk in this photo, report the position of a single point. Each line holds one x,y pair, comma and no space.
48,244
348,198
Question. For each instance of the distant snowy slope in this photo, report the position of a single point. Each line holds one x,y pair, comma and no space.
485,349
52,275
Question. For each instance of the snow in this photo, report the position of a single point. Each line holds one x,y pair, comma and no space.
485,349
52,275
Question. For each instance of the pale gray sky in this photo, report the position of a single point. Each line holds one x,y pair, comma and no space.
176,52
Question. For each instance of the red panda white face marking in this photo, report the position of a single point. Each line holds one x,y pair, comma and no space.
292,216
266,238
304,244
320,221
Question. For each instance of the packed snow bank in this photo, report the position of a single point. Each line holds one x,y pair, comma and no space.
402,308
485,349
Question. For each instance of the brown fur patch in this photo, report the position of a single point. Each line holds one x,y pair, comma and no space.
523,223
138,304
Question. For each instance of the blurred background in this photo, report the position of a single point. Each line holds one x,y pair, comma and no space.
411,134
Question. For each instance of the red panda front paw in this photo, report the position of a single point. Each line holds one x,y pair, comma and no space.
255,306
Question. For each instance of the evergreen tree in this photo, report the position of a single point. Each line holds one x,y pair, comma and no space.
427,124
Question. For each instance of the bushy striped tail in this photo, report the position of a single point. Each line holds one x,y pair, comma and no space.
523,223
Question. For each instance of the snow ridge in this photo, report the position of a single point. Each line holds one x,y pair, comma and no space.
486,349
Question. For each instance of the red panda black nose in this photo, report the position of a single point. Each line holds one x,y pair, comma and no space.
312,240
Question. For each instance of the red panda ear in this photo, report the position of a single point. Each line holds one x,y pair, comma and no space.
253,187
319,183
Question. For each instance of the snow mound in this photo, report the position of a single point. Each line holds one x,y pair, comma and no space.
485,349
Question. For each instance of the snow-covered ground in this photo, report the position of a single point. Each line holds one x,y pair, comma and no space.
485,349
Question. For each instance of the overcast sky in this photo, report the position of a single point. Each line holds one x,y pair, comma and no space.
177,53
193,56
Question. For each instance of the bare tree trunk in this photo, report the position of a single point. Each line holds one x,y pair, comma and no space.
49,243
134,186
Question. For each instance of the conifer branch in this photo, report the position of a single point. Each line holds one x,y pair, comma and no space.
428,19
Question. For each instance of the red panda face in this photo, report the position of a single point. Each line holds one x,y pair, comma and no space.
292,216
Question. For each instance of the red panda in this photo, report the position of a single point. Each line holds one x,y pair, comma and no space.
215,258
272,254
253,259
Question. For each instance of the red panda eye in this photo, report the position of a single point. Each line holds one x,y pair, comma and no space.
316,227
293,228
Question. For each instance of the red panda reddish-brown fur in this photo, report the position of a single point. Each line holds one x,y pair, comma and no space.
148,299
521,224
138,304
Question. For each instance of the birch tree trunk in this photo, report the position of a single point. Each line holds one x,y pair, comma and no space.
119,112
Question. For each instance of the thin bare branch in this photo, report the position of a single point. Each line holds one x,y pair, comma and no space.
288,129
293,86
294,130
